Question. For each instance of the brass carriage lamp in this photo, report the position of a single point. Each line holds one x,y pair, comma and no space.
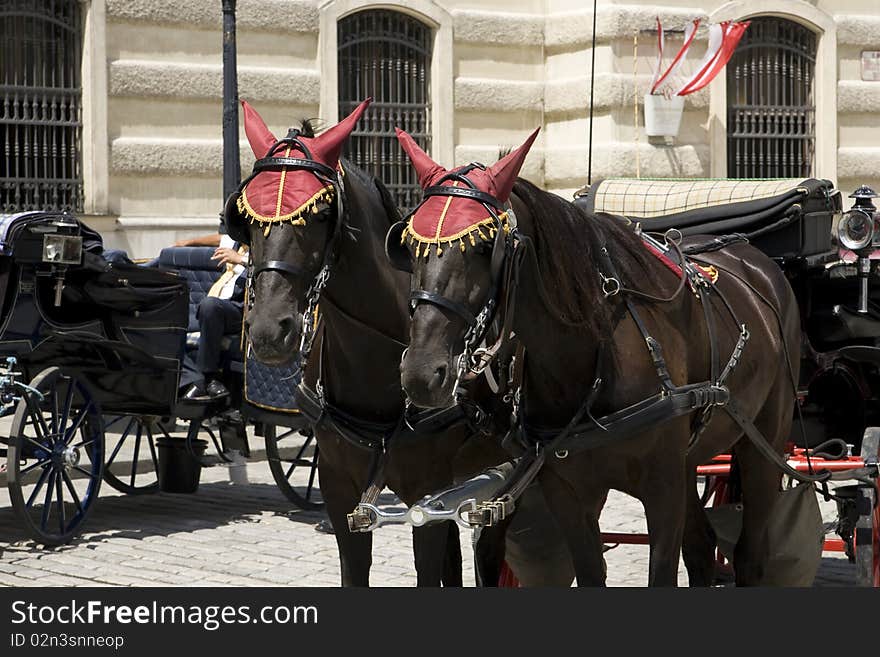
858,232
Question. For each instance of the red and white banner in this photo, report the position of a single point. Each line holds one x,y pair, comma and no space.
673,69
659,66
723,39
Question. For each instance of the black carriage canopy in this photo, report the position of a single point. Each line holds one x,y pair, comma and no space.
105,278
784,217
63,301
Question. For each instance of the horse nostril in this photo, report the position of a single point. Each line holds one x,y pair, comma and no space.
286,325
440,376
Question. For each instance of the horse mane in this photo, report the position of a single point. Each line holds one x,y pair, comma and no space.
310,127
566,242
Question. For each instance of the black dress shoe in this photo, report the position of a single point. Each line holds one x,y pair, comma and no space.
195,393
216,390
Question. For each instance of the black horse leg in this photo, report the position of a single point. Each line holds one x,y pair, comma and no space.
429,548
665,506
577,514
355,549
760,486
760,480
698,544
452,559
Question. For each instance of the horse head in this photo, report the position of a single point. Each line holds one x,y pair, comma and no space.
455,244
291,212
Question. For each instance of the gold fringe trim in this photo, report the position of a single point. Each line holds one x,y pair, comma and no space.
297,217
484,230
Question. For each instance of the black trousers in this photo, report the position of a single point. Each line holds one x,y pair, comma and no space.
217,317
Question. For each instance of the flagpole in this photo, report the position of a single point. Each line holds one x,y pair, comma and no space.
592,84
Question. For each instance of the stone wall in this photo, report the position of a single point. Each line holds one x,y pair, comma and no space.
502,68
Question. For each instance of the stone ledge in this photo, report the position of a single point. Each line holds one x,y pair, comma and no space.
858,162
169,156
164,223
498,27
857,96
862,31
617,159
612,91
614,22
498,95
258,15
143,78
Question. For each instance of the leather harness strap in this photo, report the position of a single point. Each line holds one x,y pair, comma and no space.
672,402
459,309
275,163
282,266
464,192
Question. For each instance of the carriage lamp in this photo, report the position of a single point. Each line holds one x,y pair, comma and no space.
857,231
62,249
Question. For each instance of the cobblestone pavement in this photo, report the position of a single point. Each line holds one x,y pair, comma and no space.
248,534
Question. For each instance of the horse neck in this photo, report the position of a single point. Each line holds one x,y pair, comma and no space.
554,350
563,361
364,310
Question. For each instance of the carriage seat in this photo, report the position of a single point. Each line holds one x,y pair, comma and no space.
791,216
195,266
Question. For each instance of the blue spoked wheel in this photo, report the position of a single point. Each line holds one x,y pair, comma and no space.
55,457
132,465
293,460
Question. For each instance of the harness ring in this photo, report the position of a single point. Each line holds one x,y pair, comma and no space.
610,286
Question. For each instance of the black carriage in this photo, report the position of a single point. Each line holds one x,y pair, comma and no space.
94,345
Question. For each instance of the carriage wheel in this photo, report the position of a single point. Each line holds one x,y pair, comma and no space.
55,457
134,472
867,534
287,452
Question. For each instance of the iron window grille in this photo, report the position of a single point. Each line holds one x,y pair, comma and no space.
40,113
387,55
771,112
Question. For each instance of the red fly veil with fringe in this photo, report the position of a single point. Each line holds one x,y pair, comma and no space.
289,194
453,220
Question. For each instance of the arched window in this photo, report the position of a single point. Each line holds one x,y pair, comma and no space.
387,55
40,112
771,109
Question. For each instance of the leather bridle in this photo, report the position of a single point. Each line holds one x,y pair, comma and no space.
330,177
471,362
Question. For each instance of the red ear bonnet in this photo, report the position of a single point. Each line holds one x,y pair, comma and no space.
289,194
453,220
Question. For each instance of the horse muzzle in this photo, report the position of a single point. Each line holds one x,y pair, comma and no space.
274,342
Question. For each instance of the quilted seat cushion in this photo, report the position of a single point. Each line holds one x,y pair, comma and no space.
195,266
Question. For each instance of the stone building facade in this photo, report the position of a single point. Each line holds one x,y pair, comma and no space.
151,93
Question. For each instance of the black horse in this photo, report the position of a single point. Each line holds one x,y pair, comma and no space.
595,312
333,252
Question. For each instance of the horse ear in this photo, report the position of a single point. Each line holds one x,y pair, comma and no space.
327,146
426,168
259,136
504,172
